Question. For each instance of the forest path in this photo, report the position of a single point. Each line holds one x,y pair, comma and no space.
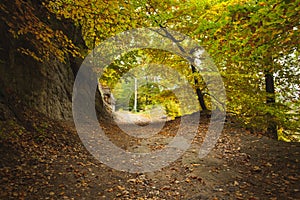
58,166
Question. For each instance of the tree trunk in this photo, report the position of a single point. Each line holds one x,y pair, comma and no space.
270,100
199,92
270,88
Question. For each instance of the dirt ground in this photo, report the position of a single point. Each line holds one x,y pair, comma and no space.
45,159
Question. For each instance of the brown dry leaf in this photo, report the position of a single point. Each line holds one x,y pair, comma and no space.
120,188
273,198
132,180
235,183
293,178
81,164
193,177
256,169
268,164
253,198
166,187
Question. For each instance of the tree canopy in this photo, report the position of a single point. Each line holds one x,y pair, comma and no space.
255,45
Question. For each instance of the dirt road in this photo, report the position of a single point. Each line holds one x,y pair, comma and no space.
50,162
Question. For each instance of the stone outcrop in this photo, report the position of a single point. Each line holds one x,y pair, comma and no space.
44,86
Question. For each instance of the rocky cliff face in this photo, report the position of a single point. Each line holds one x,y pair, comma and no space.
44,86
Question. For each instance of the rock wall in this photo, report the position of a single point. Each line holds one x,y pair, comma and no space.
46,87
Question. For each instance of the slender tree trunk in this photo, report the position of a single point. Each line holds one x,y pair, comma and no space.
196,81
270,88
135,95
198,91
270,100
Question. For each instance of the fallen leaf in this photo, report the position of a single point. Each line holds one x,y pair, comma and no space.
235,183
120,188
256,169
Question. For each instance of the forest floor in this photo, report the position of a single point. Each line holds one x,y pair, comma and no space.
45,159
